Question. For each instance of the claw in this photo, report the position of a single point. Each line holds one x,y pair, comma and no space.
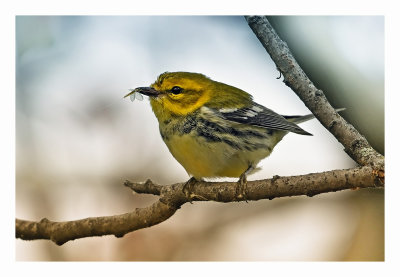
188,189
241,187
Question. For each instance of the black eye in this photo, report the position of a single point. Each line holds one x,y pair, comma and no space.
176,90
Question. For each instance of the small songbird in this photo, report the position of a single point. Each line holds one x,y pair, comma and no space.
214,129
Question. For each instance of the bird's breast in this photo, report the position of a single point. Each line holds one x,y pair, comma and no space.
210,148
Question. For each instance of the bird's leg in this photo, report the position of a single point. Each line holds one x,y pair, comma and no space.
188,189
241,187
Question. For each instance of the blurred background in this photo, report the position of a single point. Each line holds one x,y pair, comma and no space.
77,139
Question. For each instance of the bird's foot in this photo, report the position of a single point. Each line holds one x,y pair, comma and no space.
188,190
241,188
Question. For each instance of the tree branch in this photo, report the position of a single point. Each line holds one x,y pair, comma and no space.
172,198
354,143
371,174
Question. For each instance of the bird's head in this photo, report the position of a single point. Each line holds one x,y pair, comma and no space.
181,93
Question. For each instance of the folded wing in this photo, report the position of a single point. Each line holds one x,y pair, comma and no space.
261,116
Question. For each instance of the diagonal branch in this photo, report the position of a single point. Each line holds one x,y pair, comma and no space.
355,144
172,198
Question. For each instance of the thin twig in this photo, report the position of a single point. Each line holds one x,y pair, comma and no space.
147,187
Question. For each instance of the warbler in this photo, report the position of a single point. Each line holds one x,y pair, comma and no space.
214,129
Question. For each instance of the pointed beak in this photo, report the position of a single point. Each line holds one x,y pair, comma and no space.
146,91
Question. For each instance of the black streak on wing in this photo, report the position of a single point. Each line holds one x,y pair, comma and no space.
261,116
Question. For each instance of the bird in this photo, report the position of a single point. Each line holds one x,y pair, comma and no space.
214,129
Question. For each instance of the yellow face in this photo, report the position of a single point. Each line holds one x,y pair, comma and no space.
180,93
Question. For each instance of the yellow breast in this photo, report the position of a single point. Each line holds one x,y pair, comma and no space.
201,158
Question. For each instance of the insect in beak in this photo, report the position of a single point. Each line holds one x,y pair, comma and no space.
137,93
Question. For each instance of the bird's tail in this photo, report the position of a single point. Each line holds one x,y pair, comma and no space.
302,118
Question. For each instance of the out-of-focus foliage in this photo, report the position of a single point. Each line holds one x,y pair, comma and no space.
77,140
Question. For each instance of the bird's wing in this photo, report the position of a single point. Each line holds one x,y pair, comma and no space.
261,116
